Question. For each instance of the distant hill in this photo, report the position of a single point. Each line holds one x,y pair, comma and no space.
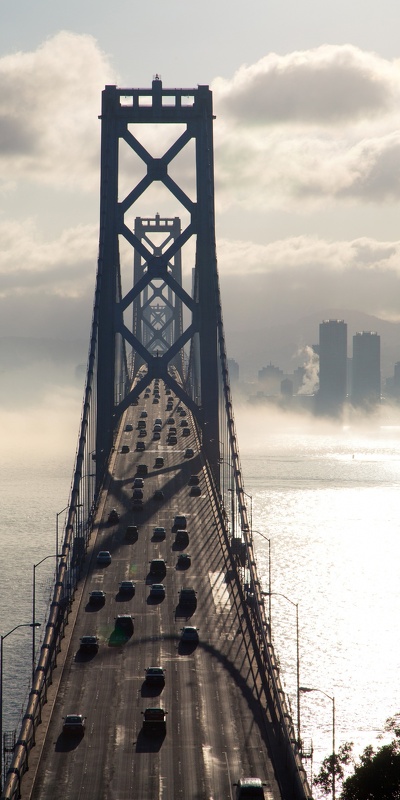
281,344
19,352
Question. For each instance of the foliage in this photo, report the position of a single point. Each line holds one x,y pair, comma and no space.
377,776
335,762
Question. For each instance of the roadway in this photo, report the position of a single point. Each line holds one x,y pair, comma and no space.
215,729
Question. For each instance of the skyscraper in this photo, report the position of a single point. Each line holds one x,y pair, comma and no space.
366,383
332,366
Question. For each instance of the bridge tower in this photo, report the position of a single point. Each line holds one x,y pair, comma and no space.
132,328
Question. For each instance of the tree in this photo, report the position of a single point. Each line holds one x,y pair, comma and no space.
377,776
333,762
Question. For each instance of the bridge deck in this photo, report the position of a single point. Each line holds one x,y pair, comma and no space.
215,731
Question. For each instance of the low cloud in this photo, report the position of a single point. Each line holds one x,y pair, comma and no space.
49,107
311,125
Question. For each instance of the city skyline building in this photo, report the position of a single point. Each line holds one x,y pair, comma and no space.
332,367
366,369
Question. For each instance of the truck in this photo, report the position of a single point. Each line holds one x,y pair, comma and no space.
154,723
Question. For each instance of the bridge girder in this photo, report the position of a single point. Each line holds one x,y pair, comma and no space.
157,269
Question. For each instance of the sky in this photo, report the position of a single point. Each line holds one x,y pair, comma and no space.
306,138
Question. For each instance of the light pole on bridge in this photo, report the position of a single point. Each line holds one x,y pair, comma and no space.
332,699
34,624
2,637
269,593
296,605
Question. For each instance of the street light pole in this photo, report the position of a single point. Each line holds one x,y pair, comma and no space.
332,699
2,637
269,593
57,516
296,605
34,625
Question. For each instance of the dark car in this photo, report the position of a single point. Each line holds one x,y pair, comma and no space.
97,597
180,521
194,480
172,440
159,462
74,724
187,597
124,623
113,516
132,532
155,675
103,557
159,532
142,469
125,448
170,421
249,789
127,588
137,494
137,504
140,447
89,644
154,723
189,634
195,491
158,495
157,591
186,432
138,483
184,423
157,566
184,560
129,427
189,453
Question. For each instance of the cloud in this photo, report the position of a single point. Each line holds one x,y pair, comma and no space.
329,84
316,125
49,107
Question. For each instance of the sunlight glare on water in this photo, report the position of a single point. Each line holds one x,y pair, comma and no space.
328,498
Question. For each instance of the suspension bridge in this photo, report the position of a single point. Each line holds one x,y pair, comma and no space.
178,692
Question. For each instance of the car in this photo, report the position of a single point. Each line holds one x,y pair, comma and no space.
154,675
158,421
181,537
159,462
168,391
194,480
170,405
142,469
141,424
74,724
187,596
128,427
113,516
125,448
143,432
103,557
159,532
138,483
143,414
154,723
180,521
155,401
195,491
89,644
184,561
179,409
126,587
124,623
157,427
189,452
97,597
189,634
132,532
137,504
172,431
185,431
184,423
172,440
250,788
158,495
157,590
157,566
140,447
182,412
156,436
170,421
137,494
